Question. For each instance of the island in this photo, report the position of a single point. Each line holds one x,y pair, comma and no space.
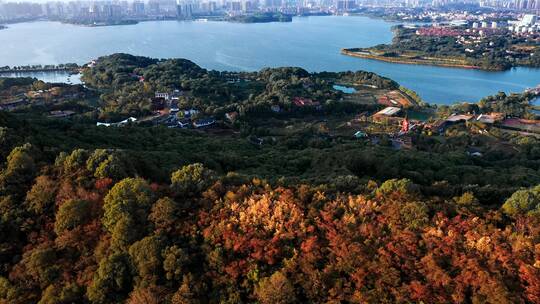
260,18
95,23
3,27
158,181
491,49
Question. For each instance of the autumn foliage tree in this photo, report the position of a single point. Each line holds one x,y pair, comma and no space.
74,236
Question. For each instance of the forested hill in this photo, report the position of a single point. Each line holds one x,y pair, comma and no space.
86,229
127,82
105,226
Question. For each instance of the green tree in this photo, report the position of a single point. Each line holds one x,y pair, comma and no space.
414,214
71,214
8,292
112,281
191,179
125,232
164,214
174,263
41,265
132,198
41,196
19,172
146,257
7,140
113,167
75,161
97,157
523,202
55,294
397,186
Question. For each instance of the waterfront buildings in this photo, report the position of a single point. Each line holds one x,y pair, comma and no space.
14,10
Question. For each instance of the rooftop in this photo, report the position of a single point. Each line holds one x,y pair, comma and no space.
388,111
459,117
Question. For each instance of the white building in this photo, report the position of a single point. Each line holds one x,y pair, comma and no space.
528,20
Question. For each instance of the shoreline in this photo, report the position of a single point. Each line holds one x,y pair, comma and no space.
11,71
401,60
100,24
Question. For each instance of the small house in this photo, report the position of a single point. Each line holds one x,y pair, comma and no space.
163,95
385,114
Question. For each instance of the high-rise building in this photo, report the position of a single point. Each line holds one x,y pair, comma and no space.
184,11
137,8
153,7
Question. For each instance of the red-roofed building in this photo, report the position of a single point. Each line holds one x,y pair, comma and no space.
438,32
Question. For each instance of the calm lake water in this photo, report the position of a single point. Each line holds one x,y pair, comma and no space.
536,102
56,76
312,43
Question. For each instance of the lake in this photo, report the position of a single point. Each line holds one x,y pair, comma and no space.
536,102
344,89
52,76
312,43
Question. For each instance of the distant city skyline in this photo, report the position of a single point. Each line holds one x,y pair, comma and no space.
115,11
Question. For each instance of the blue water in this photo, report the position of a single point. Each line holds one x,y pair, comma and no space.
312,43
536,102
55,77
344,89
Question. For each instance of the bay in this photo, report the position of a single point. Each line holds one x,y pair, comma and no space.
312,43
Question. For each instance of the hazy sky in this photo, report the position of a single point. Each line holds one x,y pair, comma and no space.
44,1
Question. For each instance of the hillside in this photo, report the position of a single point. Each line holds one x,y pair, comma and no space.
87,229
262,206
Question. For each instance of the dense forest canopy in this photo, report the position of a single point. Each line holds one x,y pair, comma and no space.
87,228
214,93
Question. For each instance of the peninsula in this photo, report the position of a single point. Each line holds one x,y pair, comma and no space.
408,58
477,47
260,18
